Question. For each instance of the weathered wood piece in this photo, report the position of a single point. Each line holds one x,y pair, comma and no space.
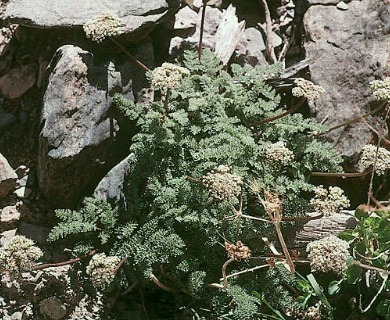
323,227
228,34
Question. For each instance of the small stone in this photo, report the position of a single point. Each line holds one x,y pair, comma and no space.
18,81
8,177
342,6
185,18
6,119
23,181
17,316
6,236
53,308
9,217
37,233
23,192
21,171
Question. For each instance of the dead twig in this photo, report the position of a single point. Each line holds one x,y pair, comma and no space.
135,60
159,284
268,30
200,44
64,263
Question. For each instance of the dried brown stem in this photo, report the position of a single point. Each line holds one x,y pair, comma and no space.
284,247
351,121
200,44
341,175
369,267
281,115
119,265
375,131
160,285
224,277
370,188
135,60
64,263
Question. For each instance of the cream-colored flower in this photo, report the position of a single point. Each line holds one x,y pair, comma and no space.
308,89
278,153
222,184
328,254
329,201
101,269
381,89
102,26
19,255
168,76
367,159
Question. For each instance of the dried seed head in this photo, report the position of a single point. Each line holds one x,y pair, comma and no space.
237,251
308,89
272,203
222,184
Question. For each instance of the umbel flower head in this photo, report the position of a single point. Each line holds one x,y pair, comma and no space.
367,159
168,76
328,254
102,26
19,255
237,251
278,153
222,184
101,269
381,89
307,89
329,201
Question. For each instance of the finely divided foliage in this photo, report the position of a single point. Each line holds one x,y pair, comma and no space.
173,225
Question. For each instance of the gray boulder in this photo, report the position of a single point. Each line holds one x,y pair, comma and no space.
8,177
110,188
136,15
351,49
78,142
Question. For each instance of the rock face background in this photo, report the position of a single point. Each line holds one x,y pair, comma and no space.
352,49
59,141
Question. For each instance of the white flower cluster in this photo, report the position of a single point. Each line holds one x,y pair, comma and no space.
308,89
222,184
329,201
381,89
278,153
328,254
367,159
168,76
102,26
101,269
19,255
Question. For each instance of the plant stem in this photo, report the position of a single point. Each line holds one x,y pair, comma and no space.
159,284
200,44
224,277
281,115
284,246
351,121
64,263
135,60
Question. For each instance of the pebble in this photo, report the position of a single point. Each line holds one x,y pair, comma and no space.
23,192
342,6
